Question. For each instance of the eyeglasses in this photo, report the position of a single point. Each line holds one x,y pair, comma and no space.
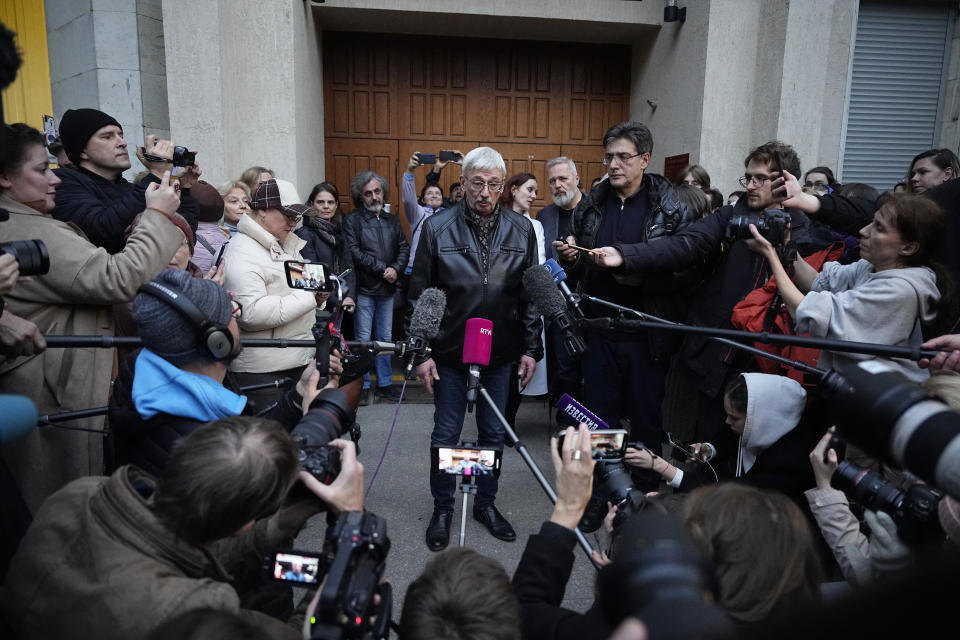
619,157
293,219
477,186
746,180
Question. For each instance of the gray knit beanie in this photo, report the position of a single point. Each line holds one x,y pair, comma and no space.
168,332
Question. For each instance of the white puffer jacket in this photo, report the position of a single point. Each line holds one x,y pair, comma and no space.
255,275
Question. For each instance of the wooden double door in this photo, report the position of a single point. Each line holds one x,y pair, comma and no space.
387,96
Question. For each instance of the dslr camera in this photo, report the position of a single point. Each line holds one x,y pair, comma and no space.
316,429
31,255
914,510
772,225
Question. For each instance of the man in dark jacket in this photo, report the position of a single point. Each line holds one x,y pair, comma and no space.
93,194
624,375
563,372
175,384
476,253
380,252
737,269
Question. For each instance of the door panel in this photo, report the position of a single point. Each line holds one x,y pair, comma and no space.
346,157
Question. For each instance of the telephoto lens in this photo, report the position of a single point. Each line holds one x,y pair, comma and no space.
31,255
914,510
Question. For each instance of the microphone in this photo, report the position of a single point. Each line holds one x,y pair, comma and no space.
560,276
476,352
541,288
19,417
425,322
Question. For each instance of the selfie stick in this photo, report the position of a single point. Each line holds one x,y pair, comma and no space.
468,486
514,441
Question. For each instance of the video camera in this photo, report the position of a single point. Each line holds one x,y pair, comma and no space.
772,225
351,567
31,255
357,546
914,510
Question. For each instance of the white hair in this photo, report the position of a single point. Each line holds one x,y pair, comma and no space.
483,159
561,160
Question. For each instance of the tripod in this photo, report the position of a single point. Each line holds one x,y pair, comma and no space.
467,487
514,441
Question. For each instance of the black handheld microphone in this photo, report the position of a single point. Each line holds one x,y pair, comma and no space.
425,323
540,286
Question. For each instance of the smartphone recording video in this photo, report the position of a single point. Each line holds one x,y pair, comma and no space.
292,566
465,461
605,444
309,276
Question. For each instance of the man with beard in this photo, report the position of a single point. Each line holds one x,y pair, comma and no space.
380,251
179,380
563,371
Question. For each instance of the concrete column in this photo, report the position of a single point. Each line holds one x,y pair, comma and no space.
97,49
949,135
257,97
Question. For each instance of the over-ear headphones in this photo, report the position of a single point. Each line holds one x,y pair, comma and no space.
215,339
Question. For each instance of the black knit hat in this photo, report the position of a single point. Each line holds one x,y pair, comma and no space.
170,334
77,126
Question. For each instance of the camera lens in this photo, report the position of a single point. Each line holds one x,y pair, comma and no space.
616,481
31,255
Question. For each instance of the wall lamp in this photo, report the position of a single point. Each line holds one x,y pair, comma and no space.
673,13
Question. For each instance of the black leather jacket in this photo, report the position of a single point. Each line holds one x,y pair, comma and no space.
661,293
448,257
375,244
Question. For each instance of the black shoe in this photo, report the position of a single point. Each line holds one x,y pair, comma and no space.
495,523
365,397
388,393
438,531
594,514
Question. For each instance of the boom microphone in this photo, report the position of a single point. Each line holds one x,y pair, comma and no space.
425,322
476,352
559,276
541,288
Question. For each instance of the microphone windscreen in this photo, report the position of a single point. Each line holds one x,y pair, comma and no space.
19,417
477,341
556,271
541,288
427,315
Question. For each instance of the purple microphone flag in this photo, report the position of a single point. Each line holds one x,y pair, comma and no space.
580,413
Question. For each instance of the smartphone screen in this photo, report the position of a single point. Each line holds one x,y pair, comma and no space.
292,566
605,444
309,276
464,461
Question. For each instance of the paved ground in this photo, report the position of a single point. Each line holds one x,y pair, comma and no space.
401,493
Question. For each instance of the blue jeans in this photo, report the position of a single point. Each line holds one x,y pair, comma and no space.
375,313
450,406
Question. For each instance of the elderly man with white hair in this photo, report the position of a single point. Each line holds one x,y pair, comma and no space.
476,252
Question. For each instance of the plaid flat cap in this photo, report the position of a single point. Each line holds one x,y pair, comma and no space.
268,196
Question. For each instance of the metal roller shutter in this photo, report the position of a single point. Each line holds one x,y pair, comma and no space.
896,86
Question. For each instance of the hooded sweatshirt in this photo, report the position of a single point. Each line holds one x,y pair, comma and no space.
852,302
774,407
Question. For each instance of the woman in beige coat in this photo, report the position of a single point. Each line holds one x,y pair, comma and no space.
73,298
256,277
